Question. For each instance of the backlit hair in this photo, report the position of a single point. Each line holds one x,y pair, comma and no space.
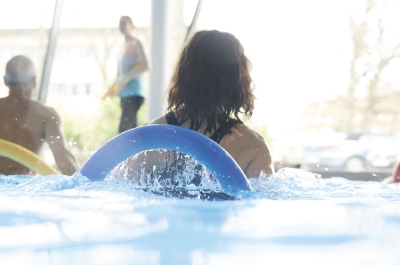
211,81
128,19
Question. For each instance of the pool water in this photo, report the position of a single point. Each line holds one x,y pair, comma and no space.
293,217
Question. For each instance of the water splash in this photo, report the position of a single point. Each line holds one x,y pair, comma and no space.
169,173
41,184
297,184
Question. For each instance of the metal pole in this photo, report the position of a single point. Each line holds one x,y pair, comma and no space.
51,46
192,26
159,47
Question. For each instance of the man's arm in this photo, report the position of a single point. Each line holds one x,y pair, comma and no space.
55,138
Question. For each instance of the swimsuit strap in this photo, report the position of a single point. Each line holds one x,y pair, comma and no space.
171,119
224,128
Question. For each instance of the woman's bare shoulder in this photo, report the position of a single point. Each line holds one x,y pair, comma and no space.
159,120
243,132
249,149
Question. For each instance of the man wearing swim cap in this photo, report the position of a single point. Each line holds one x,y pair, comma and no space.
30,123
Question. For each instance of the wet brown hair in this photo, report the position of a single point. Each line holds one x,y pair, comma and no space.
211,81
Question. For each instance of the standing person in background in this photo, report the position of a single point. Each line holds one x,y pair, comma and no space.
29,123
131,65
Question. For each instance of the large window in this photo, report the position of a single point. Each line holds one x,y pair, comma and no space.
319,67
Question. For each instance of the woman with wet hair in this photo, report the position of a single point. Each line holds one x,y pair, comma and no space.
211,93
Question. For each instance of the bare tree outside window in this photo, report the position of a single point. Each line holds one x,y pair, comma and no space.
375,51
102,46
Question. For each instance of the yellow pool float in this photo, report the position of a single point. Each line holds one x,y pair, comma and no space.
26,157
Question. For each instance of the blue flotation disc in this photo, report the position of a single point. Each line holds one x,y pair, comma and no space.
190,142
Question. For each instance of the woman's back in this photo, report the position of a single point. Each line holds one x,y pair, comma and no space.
246,147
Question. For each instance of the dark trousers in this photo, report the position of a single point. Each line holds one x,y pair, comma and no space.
130,107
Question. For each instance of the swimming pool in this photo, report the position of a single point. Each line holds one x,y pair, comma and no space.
292,217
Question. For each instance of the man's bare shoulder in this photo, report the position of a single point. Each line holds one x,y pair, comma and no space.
32,106
42,109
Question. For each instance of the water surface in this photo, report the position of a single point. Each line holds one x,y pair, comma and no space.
292,216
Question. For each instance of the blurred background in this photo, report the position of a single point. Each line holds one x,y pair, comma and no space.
326,73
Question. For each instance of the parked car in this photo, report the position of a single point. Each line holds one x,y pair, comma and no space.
383,158
289,152
349,152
